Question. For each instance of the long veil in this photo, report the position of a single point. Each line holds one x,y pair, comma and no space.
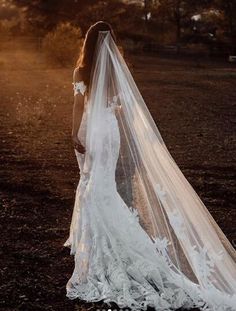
152,185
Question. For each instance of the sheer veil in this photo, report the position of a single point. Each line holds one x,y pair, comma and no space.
152,185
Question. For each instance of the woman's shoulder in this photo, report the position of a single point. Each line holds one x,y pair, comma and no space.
78,74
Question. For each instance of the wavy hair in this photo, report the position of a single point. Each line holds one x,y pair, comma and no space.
85,61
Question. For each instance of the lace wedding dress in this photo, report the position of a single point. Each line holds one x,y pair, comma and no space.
115,260
143,238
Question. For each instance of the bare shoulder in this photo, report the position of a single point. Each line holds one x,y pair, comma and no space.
78,74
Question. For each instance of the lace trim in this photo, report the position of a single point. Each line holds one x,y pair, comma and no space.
129,283
113,104
79,87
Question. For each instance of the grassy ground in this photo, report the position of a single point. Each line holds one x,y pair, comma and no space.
193,104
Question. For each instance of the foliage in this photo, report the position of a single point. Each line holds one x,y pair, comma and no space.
8,27
169,21
228,24
62,44
43,15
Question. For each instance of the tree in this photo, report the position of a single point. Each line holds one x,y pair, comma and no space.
229,9
177,11
44,15
179,14
62,45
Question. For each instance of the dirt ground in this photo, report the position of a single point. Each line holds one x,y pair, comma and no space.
193,103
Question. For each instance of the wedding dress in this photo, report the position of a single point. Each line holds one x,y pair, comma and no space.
139,233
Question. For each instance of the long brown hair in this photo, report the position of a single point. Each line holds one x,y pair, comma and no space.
85,61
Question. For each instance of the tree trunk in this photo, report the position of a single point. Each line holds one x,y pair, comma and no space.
178,25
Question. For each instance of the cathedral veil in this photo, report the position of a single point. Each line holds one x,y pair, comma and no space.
151,184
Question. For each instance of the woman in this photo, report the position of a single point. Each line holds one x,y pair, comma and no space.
140,234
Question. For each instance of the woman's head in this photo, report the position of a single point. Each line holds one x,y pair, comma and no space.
85,60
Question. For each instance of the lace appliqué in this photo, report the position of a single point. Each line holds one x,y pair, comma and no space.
114,104
79,87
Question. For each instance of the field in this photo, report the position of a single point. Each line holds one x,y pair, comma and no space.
194,105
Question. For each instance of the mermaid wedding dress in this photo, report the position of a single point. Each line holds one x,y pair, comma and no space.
126,251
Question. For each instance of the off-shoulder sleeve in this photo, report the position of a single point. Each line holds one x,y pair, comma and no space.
78,81
79,87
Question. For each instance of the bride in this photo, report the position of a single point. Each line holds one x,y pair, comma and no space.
140,235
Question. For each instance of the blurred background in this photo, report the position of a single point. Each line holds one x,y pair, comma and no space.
182,56
206,27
